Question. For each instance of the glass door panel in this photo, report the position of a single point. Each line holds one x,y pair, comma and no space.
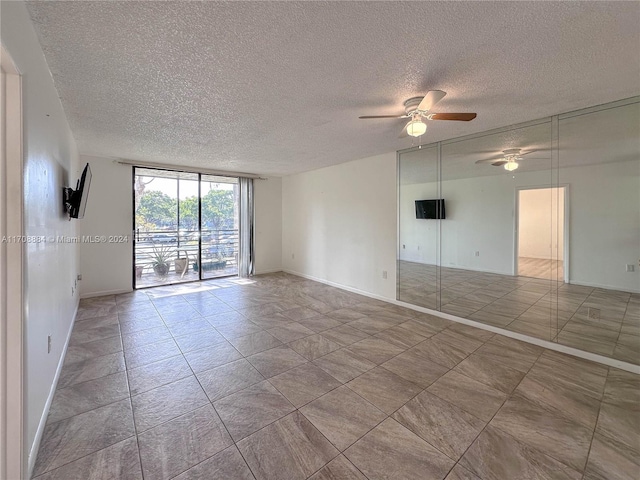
220,224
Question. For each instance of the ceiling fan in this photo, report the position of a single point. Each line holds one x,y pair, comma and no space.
509,159
417,109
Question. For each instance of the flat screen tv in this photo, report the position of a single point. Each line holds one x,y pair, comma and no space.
430,209
77,199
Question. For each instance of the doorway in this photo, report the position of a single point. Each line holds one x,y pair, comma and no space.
541,233
186,227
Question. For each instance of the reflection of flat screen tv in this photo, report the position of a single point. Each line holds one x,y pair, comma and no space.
430,209
76,200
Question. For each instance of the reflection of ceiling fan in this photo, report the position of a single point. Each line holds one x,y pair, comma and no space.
417,109
509,159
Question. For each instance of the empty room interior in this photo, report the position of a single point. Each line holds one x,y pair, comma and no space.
320,240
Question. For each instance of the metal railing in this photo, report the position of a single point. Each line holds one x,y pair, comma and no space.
219,249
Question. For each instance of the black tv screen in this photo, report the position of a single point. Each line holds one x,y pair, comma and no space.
430,209
78,203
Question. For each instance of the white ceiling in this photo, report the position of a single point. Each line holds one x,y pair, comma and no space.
275,88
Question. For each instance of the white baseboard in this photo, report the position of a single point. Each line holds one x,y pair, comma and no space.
611,362
604,287
105,292
272,270
35,446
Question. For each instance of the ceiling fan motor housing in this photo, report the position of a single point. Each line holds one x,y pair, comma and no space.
412,104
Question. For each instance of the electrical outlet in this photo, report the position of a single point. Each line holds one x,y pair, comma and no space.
404,246
79,277
384,274
631,267
477,253
49,343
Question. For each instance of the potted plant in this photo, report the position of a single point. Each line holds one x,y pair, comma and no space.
181,264
161,260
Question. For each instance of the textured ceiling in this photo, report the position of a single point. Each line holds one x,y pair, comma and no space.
275,88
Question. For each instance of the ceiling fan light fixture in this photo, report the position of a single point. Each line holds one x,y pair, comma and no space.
511,165
416,127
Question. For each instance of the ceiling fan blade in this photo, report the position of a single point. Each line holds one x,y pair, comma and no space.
403,133
463,117
499,163
383,116
490,160
430,99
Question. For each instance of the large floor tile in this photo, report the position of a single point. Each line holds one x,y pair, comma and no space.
225,465
375,350
623,389
384,389
198,340
86,433
212,357
119,461
342,416
470,395
159,373
176,446
498,456
251,409
98,348
545,430
440,353
276,360
314,346
390,451
485,370
145,337
304,383
86,396
290,332
412,366
166,402
338,469
344,335
291,448
445,426
90,369
513,353
460,473
344,365
611,460
153,352
567,401
227,379
621,424
254,343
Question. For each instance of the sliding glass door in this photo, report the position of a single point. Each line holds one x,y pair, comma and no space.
185,227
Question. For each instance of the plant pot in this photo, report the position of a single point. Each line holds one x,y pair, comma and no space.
139,270
162,269
180,265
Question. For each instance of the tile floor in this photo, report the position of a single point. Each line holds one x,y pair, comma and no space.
606,322
279,377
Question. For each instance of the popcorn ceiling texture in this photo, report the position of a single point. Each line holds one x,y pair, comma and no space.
275,88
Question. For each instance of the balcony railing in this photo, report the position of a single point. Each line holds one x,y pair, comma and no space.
219,255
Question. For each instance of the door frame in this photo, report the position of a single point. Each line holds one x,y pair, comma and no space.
12,396
565,239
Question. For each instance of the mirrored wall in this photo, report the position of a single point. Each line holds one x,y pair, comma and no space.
534,228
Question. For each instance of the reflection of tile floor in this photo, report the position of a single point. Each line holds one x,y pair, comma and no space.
596,320
540,268
279,377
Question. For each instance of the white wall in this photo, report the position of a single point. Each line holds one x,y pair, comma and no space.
107,267
267,195
340,224
50,164
604,233
541,223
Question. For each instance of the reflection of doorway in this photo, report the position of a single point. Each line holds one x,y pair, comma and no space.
541,233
